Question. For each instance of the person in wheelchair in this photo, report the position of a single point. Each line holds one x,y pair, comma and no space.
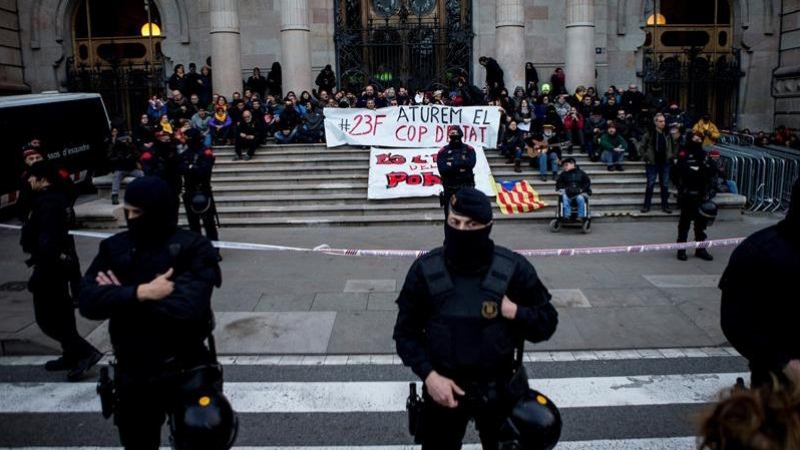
573,186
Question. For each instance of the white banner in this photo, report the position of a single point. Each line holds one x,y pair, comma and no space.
412,172
411,126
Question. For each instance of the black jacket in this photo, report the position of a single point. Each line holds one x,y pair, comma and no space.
695,175
536,318
456,164
45,235
760,306
574,182
150,337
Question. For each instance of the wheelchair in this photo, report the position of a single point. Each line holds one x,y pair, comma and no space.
572,221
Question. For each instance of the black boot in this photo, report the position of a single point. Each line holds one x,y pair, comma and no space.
518,166
703,254
682,255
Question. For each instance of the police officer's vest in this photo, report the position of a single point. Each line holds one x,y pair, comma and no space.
467,336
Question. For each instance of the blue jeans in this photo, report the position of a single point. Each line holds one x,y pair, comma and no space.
120,175
662,172
207,140
290,138
566,205
612,157
553,157
732,186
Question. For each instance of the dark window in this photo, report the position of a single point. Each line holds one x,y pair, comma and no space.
114,18
685,39
111,52
696,12
722,38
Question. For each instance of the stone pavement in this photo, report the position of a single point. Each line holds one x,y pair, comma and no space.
301,303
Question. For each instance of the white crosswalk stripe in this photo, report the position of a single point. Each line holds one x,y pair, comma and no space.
347,397
639,403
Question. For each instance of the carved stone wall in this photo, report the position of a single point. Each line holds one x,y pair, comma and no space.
12,80
786,81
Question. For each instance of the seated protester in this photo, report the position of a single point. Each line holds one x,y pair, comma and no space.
258,109
221,125
236,111
164,125
156,108
573,185
544,149
593,128
512,145
289,121
143,133
201,122
247,137
573,127
123,159
306,98
613,147
313,128
178,107
724,184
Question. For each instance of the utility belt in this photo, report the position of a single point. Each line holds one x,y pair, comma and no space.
478,395
201,372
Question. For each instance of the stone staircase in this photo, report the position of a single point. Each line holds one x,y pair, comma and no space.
311,185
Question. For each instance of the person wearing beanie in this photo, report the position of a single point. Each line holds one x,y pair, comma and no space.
464,312
153,283
695,176
758,310
45,237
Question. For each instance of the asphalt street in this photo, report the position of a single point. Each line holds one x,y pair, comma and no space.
607,400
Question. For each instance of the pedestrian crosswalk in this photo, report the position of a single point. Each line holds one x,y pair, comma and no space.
636,402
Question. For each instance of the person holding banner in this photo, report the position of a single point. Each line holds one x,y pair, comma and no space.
456,162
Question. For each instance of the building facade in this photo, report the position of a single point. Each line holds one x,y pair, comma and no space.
738,59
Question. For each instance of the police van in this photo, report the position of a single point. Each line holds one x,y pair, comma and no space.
70,127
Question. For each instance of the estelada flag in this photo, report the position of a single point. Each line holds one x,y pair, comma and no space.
517,196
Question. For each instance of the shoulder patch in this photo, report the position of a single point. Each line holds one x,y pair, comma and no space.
208,152
146,156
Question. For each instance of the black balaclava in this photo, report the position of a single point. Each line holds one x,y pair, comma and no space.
159,218
790,226
455,134
695,148
469,250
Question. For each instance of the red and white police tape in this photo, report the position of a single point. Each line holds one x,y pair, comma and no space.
325,249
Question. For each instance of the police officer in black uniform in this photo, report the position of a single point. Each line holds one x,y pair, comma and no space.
759,309
465,311
695,177
456,162
196,165
154,284
45,236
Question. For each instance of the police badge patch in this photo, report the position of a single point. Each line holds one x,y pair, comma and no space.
489,309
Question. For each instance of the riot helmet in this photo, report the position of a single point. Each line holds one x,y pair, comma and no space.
207,423
708,210
200,202
533,424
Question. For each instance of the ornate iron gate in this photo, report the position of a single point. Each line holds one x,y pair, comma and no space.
418,44
125,87
706,82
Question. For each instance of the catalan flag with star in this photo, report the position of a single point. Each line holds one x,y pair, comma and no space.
517,196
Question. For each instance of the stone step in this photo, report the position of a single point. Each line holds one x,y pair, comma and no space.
283,198
435,217
249,171
422,206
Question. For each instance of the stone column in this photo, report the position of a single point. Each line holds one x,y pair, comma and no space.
226,53
579,60
510,42
295,46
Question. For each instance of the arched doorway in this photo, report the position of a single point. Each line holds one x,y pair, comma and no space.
117,53
689,57
418,44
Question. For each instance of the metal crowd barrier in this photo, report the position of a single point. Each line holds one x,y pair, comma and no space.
762,174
